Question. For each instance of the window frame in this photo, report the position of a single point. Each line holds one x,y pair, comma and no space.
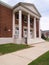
16,16
25,18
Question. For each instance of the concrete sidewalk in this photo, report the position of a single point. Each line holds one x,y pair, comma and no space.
23,57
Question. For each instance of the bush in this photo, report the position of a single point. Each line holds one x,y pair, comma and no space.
43,37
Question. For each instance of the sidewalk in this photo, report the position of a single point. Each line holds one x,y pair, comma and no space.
23,57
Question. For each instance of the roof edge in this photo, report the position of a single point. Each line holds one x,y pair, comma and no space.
6,5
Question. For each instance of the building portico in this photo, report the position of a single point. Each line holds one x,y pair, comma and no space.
30,26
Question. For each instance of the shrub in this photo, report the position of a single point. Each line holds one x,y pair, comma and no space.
43,37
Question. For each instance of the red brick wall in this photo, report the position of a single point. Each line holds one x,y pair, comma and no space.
5,21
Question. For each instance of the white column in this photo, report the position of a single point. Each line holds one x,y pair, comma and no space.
20,24
28,26
34,27
39,30
13,25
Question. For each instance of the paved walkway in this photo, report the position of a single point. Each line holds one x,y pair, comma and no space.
25,56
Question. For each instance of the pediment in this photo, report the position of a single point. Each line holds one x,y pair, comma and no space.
29,7
32,8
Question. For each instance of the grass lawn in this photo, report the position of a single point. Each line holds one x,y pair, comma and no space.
7,48
42,60
47,39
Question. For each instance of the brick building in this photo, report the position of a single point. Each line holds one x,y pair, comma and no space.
20,23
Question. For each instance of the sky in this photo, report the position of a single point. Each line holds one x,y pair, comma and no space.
41,5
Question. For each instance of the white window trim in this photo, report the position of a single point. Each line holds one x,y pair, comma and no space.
23,32
25,21
15,30
27,28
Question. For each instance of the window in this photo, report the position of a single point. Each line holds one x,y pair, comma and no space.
17,32
17,28
25,18
17,16
25,32
25,29
31,21
31,33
